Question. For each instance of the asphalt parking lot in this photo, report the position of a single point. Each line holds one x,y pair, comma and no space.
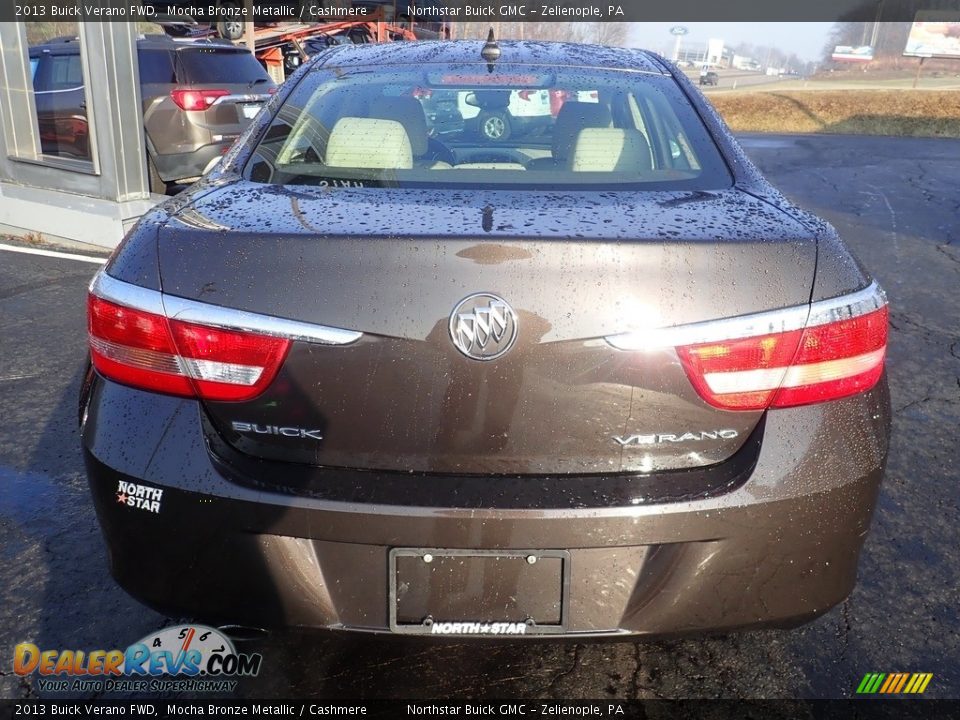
897,203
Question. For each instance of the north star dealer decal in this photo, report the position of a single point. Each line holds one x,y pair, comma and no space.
140,497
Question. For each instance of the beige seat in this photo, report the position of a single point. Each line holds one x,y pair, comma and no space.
408,112
572,118
369,143
611,150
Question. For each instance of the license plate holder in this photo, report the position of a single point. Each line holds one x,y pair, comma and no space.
250,110
492,593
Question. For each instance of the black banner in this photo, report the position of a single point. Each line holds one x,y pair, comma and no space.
628,710
400,11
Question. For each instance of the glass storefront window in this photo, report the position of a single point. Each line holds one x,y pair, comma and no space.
60,95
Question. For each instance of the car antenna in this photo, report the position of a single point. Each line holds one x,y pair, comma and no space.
490,51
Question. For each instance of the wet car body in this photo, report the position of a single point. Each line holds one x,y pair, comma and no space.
577,483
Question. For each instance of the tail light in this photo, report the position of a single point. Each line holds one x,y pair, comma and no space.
153,352
792,368
196,99
837,351
421,92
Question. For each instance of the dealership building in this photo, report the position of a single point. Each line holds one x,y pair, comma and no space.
92,199
712,53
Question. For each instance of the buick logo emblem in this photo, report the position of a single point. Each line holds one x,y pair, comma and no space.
483,326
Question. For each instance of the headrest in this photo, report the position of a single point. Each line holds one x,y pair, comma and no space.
572,118
408,112
611,150
369,143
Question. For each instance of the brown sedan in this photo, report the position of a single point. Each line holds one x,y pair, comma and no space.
597,380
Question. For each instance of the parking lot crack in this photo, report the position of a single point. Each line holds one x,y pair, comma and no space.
574,666
636,687
944,249
27,686
10,292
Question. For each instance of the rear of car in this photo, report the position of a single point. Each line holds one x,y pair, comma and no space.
594,381
197,99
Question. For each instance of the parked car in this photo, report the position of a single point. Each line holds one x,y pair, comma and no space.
709,78
197,98
497,114
342,383
442,110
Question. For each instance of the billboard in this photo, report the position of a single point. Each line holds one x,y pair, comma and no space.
849,53
934,35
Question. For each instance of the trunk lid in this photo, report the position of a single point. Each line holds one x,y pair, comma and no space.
394,264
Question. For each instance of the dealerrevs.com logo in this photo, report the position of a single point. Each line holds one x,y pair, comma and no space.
182,658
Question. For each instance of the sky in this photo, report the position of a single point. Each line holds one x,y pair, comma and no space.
806,39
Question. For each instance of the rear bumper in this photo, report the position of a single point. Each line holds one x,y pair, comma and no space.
778,550
189,165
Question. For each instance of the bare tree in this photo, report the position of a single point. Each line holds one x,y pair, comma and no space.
613,34
559,31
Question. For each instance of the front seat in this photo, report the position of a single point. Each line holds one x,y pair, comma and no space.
572,118
408,112
359,142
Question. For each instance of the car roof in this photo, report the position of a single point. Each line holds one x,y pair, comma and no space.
512,51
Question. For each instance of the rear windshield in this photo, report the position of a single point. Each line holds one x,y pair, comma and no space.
519,126
202,66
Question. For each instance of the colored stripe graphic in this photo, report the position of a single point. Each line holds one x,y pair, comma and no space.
875,685
862,687
894,683
901,682
891,680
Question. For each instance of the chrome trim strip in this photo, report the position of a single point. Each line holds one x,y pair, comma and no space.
796,317
239,98
126,294
140,298
849,306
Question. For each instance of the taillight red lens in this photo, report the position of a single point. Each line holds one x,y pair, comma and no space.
836,360
196,99
820,363
228,364
134,347
148,351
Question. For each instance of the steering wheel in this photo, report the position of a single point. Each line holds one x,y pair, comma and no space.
438,152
